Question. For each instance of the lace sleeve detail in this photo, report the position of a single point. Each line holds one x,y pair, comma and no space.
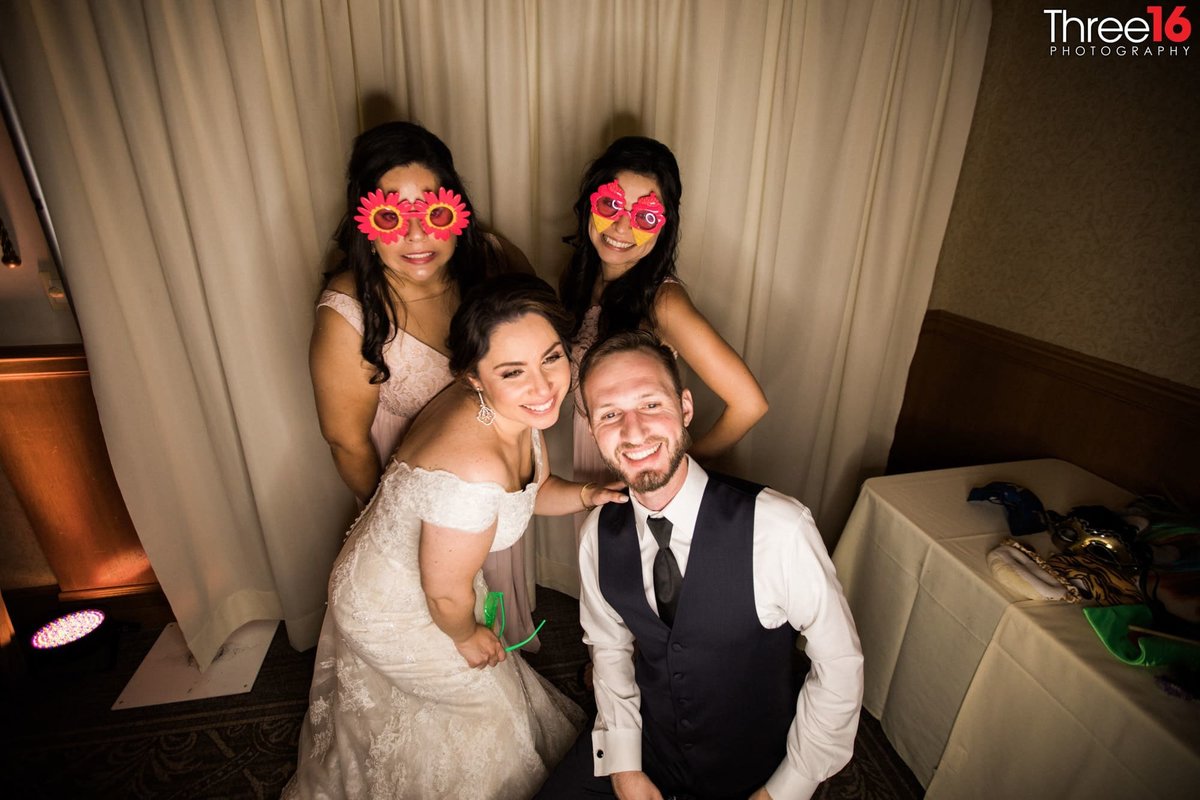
442,498
345,305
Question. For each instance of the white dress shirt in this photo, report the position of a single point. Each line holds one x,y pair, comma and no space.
794,583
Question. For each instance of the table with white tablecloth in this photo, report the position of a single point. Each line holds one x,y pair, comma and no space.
981,692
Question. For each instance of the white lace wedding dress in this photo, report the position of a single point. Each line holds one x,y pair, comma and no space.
394,710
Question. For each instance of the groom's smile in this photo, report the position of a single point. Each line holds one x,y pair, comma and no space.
638,420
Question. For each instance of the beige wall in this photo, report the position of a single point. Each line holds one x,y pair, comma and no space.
1075,220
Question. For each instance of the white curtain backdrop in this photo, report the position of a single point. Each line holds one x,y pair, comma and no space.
192,157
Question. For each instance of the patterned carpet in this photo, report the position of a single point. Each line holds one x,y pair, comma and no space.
58,738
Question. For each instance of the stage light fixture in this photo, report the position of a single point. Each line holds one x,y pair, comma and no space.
67,629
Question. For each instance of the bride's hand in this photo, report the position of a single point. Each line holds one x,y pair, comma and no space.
596,495
482,648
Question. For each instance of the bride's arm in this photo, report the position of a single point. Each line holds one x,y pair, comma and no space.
448,561
557,496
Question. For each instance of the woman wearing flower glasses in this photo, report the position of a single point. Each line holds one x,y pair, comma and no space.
411,248
622,277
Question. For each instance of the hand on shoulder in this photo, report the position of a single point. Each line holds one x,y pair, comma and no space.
597,494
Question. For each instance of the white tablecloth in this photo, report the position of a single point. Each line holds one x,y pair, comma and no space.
912,561
1051,714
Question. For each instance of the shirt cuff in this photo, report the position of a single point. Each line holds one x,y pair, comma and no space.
788,784
616,751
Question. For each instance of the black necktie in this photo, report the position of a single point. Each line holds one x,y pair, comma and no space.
667,580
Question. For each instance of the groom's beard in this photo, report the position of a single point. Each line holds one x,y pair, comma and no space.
650,480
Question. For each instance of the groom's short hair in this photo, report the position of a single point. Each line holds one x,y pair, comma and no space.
629,341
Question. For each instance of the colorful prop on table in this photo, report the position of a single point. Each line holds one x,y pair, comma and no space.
1101,582
1127,633
386,217
1022,508
1096,531
1168,551
493,605
646,215
1021,569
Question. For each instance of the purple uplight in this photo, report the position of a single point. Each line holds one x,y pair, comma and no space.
67,628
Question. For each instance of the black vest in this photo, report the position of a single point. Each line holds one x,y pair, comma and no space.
718,690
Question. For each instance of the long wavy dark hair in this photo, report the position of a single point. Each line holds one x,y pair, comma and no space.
382,148
628,302
497,300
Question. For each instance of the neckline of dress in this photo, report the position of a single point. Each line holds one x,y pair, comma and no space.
424,344
535,448
407,335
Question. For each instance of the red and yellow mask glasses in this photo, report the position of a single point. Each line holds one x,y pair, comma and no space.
386,217
646,215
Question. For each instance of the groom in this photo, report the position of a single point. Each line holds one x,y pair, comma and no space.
710,578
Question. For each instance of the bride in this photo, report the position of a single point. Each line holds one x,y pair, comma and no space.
412,695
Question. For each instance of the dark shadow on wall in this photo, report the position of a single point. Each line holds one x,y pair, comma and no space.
378,108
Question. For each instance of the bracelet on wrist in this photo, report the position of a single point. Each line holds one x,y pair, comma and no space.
582,490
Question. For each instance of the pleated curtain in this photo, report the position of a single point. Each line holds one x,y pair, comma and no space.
192,158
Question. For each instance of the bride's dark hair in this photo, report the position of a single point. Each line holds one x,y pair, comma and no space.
497,300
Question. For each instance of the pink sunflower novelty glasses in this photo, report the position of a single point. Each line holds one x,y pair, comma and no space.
646,215
386,217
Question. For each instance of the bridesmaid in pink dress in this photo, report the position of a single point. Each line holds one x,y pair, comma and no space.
622,276
411,248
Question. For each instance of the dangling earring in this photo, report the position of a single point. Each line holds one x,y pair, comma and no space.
486,413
